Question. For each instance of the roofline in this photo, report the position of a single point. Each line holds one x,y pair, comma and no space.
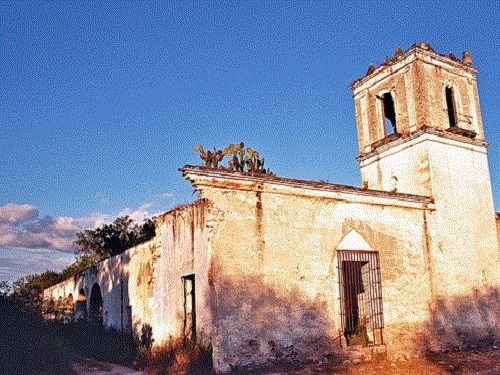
424,48
261,179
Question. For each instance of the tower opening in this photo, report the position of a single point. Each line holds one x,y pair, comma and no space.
450,106
389,114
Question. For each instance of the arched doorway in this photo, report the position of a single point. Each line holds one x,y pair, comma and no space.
50,309
95,308
360,291
60,308
81,306
68,314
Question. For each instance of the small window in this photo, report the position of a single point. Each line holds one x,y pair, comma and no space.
450,106
389,114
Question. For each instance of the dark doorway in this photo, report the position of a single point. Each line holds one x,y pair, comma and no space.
189,309
360,297
95,308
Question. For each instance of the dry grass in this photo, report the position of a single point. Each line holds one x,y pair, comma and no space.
176,357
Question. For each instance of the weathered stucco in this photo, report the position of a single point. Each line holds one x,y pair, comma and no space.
275,271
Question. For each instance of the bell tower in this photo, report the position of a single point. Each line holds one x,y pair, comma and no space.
420,132
413,93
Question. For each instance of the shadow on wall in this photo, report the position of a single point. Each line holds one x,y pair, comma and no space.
464,322
260,323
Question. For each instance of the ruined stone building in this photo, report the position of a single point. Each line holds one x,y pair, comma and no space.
263,267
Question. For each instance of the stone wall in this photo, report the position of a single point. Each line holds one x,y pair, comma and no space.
417,80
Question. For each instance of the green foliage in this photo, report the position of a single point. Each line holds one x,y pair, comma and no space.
114,238
27,289
93,245
241,159
211,158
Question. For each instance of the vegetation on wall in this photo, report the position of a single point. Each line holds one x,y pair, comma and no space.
92,246
241,159
112,239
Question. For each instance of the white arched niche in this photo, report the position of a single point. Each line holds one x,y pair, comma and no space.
353,241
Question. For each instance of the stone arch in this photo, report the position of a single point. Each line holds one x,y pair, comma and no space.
60,307
70,306
96,311
81,306
50,308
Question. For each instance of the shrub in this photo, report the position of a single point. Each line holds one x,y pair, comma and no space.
177,357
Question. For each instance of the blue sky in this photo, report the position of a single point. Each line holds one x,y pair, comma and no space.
101,102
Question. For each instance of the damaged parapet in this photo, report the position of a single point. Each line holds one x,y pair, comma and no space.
424,46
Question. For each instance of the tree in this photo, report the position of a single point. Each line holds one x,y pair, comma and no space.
114,238
28,289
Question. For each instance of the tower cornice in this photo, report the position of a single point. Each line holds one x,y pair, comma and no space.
422,52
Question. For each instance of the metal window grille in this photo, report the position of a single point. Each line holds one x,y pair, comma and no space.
360,293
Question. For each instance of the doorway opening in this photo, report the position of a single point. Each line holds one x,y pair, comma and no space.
96,309
189,309
360,294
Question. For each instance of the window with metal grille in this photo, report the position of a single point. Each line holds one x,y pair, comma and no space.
360,292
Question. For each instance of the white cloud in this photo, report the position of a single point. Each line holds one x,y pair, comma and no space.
32,244
16,213
20,226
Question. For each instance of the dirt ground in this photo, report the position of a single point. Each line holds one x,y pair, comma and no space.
90,367
472,362
480,362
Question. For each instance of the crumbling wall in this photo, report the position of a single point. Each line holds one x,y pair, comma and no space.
184,252
142,288
118,279
274,272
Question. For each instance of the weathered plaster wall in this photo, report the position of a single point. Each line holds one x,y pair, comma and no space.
497,216
142,288
274,268
184,252
404,168
123,282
